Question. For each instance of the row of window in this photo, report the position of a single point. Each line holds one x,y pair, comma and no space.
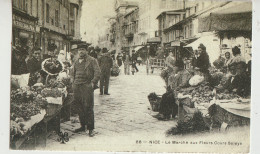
171,4
132,28
21,4
187,32
63,2
56,19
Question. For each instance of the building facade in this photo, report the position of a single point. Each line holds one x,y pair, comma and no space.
181,32
54,24
112,33
25,16
122,8
42,22
179,28
136,23
130,28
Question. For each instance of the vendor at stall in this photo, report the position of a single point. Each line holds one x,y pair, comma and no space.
181,78
238,82
168,107
202,63
203,59
52,49
227,59
18,61
170,62
194,60
34,67
237,55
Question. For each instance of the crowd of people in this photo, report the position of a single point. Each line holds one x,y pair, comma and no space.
89,65
130,62
86,66
235,76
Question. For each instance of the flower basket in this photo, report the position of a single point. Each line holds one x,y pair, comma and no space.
52,66
155,101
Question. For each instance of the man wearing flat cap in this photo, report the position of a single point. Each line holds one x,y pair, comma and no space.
85,74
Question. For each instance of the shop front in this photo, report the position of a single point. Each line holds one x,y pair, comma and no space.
24,29
233,26
50,37
175,47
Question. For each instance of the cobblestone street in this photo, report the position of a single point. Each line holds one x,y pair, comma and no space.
125,113
124,122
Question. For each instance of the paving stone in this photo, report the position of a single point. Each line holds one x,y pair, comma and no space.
125,111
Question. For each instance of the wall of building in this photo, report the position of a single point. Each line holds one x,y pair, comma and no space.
54,31
53,24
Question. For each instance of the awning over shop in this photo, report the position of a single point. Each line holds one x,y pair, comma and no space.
154,40
211,42
238,17
175,43
138,48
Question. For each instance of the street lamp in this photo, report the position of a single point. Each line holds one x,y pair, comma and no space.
147,59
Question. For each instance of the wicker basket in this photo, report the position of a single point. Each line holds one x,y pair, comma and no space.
155,104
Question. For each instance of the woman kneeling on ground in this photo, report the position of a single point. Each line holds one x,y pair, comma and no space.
168,106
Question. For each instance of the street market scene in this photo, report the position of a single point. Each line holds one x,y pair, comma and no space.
131,75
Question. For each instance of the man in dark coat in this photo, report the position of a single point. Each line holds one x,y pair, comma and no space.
105,63
119,59
203,59
92,52
34,66
85,74
134,60
18,61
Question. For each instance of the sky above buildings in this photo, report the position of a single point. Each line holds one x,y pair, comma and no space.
95,14
94,18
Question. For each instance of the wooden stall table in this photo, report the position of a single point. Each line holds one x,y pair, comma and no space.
185,108
38,134
66,110
50,123
18,143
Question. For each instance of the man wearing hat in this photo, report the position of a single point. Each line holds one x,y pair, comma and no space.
51,51
34,67
134,60
85,74
105,63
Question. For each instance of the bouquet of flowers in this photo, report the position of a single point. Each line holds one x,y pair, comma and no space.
52,66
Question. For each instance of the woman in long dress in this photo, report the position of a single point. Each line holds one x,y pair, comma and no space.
170,63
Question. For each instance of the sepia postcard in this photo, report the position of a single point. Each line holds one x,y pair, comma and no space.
131,76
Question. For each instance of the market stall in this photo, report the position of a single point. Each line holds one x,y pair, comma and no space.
203,104
37,111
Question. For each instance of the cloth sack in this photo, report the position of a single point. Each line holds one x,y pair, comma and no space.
196,80
22,80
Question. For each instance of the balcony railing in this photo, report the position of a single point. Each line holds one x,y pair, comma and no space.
129,35
72,32
112,38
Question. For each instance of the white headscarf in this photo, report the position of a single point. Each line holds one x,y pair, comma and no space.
62,56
